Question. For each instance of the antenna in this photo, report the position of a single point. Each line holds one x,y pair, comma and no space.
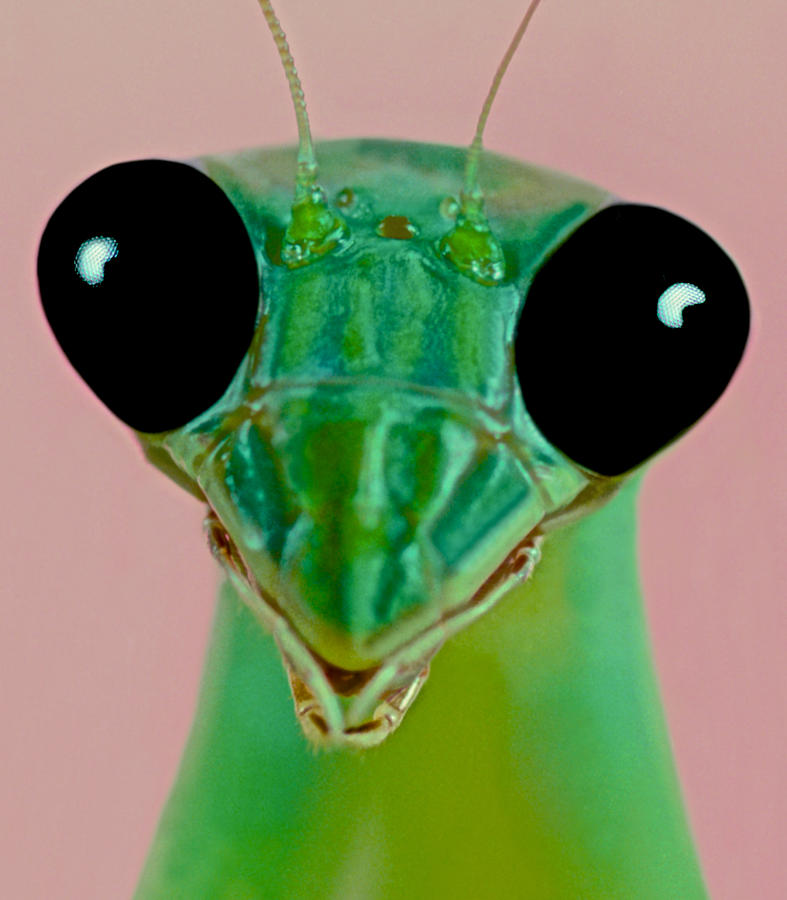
307,164
470,245
471,193
314,228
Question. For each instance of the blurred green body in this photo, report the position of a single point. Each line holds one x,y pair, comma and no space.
374,465
535,763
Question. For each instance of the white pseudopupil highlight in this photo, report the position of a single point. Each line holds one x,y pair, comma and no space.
92,256
674,300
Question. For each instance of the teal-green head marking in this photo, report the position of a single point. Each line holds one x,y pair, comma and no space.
372,475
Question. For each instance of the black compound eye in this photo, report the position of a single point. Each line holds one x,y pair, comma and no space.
630,332
149,281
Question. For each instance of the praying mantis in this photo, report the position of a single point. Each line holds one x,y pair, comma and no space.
383,468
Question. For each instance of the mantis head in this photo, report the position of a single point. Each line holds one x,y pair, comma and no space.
386,394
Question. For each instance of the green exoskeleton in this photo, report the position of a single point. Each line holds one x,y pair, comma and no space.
393,392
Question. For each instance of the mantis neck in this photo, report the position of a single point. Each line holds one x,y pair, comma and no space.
535,763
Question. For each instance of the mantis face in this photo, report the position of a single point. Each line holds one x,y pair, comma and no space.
386,396
381,439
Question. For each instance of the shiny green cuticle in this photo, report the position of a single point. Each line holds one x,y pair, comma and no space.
372,466
313,230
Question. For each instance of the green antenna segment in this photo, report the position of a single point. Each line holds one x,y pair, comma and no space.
314,229
471,246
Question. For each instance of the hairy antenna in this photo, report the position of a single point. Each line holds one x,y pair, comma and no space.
307,164
471,245
471,193
314,228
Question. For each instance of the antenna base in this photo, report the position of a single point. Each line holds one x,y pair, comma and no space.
472,247
314,229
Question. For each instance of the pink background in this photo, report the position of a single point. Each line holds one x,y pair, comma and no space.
107,588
